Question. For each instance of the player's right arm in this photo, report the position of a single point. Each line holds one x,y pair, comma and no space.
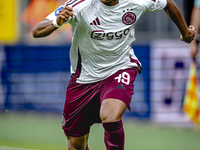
172,10
46,27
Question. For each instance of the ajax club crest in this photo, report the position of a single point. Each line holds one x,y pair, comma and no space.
129,18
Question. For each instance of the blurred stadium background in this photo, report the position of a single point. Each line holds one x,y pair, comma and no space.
34,74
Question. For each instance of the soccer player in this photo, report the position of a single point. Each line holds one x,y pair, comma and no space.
103,64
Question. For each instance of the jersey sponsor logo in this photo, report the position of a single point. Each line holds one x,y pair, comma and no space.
129,18
102,35
95,22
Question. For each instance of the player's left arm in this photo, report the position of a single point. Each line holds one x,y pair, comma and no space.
174,13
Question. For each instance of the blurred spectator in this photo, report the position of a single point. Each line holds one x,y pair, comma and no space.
195,21
188,6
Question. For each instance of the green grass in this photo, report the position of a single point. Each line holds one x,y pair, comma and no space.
40,131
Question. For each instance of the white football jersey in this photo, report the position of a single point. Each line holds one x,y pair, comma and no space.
103,35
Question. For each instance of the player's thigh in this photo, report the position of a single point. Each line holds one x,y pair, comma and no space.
78,143
116,95
112,110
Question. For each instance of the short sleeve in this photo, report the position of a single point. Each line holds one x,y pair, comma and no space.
55,12
197,3
77,5
156,5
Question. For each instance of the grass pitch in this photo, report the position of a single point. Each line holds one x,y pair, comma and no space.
43,132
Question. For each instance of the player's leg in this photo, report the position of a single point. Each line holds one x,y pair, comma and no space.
115,97
112,110
78,143
111,113
81,110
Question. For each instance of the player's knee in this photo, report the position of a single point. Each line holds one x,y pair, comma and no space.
112,110
74,144
110,117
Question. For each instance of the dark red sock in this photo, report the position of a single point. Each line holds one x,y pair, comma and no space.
114,135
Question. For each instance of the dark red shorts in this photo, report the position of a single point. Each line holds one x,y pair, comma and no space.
82,103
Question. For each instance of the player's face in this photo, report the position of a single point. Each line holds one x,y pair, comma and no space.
110,2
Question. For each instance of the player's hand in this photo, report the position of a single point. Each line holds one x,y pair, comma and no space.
190,36
64,14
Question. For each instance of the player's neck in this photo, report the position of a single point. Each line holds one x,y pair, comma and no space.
110,2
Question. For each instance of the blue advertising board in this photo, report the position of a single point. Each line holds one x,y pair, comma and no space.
36,78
